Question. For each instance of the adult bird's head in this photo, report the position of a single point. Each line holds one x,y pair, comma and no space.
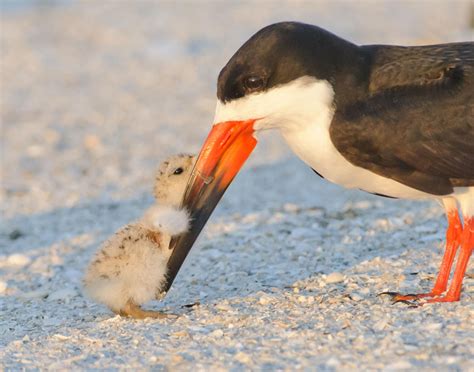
281,77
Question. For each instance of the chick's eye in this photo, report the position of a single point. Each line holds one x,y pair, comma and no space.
178,171
253,83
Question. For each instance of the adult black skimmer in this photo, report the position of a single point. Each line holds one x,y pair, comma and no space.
389,120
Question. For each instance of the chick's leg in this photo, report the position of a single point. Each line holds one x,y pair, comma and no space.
135,311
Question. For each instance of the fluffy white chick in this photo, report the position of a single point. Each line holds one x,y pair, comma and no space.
130,268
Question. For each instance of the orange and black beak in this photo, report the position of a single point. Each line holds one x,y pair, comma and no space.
225,150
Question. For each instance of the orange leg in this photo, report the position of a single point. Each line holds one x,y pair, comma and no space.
467,245
453,239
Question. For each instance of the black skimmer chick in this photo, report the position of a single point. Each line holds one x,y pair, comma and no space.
130,268
390,120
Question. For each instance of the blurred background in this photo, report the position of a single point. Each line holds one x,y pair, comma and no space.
94,94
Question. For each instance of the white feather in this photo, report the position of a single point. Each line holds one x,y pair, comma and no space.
167,219
465,198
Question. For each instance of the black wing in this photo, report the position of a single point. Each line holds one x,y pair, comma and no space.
415,123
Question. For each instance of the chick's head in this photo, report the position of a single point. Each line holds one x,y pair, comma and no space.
172,178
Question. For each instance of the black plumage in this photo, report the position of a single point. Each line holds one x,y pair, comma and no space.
415,123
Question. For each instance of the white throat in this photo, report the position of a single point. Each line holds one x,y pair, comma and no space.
288,106
303,111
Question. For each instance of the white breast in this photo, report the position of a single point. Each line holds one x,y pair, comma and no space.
313,145
307,133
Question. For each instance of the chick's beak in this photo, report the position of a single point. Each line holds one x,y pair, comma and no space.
225,150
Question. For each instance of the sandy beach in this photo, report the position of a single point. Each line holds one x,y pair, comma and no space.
94,95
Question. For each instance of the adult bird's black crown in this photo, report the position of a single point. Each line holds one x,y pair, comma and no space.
283,52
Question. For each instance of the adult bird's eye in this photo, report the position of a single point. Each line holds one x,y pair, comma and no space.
178,171
253,83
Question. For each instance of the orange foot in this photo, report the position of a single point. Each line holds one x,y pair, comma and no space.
413,300
453,239
446,298
410,299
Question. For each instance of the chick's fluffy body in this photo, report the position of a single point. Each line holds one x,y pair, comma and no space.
129,266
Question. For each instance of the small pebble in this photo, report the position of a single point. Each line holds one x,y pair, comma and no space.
433,326
218,333
264,300
223,307
333,362
180,334
153,359
290,207
176,358
18,260
334,278
60,337
16,234
243,358
92,142
35,151
399,366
